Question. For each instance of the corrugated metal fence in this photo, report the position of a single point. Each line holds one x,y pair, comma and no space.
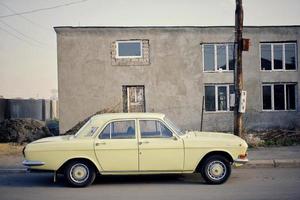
39,109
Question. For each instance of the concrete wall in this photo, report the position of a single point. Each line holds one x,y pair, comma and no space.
174,79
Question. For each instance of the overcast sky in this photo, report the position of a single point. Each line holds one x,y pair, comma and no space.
28,42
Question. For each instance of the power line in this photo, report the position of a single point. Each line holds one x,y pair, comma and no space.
42,9
23,17
24,35
15,36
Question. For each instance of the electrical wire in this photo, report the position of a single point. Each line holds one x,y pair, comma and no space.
42,9
24,35
17,37
23,17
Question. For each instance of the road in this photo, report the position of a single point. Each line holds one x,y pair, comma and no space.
280,183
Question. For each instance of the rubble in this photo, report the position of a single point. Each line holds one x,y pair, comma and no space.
273,137
22,130
75,128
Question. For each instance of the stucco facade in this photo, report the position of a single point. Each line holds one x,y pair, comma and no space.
89,79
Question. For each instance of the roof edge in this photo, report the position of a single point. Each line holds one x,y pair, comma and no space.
229,26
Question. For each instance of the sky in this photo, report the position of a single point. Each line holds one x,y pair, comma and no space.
28,61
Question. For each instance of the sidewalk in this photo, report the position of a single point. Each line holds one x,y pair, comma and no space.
262,157
270,157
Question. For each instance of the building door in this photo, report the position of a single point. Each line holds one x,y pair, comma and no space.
134,99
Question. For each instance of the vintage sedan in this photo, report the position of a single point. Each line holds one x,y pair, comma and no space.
135,143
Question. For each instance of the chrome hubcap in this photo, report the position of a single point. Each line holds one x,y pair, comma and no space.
79,173
216,170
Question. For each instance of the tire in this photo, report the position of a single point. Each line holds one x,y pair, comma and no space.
79,173
216,169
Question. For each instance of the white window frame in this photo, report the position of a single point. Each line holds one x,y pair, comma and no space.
129,41
215,57
272,97
216,98
283,57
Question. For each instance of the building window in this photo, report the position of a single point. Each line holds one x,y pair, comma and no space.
217,97
278,56
218,57
129,49
279,96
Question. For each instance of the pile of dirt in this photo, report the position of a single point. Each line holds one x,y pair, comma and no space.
22,130
75,128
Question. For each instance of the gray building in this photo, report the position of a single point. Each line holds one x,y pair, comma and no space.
173,69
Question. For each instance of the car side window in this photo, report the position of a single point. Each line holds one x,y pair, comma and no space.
119,130
154,129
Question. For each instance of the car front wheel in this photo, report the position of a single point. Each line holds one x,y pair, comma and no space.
79,173
216,170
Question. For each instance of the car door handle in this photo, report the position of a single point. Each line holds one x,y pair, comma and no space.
100,143
144,142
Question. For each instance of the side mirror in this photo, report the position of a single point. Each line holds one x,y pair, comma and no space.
174,137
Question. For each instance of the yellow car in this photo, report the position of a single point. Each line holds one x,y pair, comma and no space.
135,143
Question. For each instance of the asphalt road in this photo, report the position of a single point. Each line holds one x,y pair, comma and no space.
280,183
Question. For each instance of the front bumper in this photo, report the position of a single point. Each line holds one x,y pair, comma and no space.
240,161
31,163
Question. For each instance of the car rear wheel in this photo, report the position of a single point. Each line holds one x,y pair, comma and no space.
79,173
216,169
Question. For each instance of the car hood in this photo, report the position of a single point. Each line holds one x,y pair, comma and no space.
212,135
53,139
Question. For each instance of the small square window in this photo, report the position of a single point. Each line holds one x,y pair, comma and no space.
129,49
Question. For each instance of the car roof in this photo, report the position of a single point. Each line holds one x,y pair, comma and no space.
112,116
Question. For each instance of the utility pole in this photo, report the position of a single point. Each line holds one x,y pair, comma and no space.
238,76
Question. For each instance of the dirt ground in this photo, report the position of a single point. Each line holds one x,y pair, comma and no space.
11,155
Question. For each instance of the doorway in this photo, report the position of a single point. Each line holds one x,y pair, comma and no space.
134,98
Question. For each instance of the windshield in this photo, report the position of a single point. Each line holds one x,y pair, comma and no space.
87,130
173,126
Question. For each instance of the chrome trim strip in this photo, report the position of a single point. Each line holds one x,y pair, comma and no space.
148,171
241,161
30,163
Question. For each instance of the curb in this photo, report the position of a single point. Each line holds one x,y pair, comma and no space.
276,163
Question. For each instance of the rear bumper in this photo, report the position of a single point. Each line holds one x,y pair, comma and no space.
240,161
31,163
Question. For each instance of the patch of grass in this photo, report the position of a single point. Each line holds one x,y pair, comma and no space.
10,149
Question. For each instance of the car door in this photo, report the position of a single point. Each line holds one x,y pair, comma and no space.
159,148
116,146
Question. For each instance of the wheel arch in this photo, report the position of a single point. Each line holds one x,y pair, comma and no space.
223,153
90,161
